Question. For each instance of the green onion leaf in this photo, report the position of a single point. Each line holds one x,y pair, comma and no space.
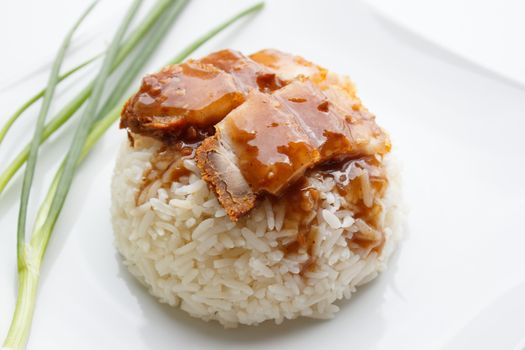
19,331
37,136
13,118
69,110
40,236
28,277
28,272
87,119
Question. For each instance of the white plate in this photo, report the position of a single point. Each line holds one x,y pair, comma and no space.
482,33
458,280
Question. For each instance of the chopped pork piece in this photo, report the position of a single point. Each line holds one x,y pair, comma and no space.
258,122
271,147
260,142
192,93
271,140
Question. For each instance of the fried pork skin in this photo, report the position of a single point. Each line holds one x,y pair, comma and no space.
275,116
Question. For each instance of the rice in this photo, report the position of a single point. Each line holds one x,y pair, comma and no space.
180,244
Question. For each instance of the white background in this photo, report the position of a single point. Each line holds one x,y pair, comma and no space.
458,281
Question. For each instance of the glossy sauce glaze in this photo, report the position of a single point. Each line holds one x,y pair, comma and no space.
259,127
198,93
275,138
288,67
173,99
270,146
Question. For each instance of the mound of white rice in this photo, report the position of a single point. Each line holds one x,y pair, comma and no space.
182,246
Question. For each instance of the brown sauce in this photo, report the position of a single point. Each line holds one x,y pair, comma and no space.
167,165
269,144
349,176
270,129
301,200
274,125
171,100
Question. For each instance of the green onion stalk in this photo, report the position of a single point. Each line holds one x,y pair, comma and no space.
135,38
28,271
22,332
37,136
51,206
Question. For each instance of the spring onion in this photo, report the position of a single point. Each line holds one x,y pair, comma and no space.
37,136
28,277
69,110
50,208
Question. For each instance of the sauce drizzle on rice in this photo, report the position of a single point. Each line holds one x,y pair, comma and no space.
262,128
167,165
302,201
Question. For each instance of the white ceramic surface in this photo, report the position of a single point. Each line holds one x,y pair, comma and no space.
458,281
484,33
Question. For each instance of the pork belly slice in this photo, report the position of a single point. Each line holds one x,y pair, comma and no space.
262,147
192,93
367,136
270,141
